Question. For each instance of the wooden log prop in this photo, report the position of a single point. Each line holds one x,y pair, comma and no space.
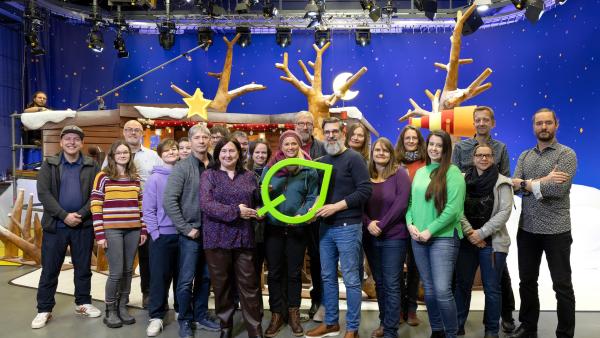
445,101
318,104
10,249
26,230
19,242
224,96
37,231
101,261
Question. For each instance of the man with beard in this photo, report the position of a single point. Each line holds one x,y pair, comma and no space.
341,231
304,126
544,176
462,156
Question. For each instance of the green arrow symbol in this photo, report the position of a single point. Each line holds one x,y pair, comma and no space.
270,206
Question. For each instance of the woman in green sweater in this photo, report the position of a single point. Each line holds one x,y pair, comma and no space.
433,220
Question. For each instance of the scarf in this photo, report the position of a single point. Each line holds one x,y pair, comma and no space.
480,186
411,156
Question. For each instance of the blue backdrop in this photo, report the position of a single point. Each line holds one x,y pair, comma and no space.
554,63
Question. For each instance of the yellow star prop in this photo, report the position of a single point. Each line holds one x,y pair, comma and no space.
197,104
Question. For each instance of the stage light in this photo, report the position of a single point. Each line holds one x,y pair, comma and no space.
483,5
311,9
33,25
427,6
245,36
283,36
362,36
389,8
372,8
95,40
535,10
242,7
215,10
205,36
474,21
119,44
322,36
166,34
121,26
269,9
519,4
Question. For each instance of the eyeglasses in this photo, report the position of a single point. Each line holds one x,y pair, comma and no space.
305,124
118,153
133,130
482,156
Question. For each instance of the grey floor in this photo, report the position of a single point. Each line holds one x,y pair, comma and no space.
17,309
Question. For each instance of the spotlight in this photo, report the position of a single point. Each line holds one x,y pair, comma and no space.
205,36
95,40
427,6
33,25
483,5
371,6
34,44
535,10
389,8
311,9
269,9
242,7
245,36
362,36
120,46
166,34
519,4
474,21
283,36
215,10
322,36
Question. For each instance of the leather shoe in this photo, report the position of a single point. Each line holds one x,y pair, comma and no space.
314,307
226,332
378,332
522,332
508,326
438,334
275,325
351,334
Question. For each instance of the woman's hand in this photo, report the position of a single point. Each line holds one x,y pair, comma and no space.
102,243
246,213
425,235
373,228
143,239
414,232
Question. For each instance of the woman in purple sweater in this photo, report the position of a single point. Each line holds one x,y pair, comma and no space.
385,236
228,195
164,241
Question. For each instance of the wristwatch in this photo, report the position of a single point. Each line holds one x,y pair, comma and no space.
523,184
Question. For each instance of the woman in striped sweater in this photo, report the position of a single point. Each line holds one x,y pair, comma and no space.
116,205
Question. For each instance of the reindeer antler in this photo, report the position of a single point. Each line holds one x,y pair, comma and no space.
418,111
303,88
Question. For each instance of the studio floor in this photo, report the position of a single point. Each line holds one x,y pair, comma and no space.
17,309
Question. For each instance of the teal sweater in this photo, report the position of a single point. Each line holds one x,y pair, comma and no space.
300,191
422,213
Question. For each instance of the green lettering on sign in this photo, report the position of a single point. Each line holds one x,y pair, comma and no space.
270,206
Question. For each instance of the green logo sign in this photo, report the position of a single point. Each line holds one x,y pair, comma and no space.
269,206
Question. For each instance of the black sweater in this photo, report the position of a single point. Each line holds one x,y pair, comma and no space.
350,182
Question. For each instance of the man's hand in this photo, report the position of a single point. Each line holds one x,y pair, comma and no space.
194,233
556,176
72,219
374,229
474,238
103,243
143,239
330,209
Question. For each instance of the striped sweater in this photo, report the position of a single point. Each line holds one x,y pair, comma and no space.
116,204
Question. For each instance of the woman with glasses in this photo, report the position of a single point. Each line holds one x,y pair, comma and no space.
488,205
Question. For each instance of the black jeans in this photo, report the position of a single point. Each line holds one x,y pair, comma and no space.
508,297
285,247
312,242
54,248
409,285
558,253
144,261
164,254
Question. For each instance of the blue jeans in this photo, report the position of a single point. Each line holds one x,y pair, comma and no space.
341,243
386,259
193,286
435,261
491,264
164,255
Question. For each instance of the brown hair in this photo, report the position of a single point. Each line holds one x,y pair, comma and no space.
364,151
111,169
332,120
165,145
391,167
421,146
485,108
221,129
437,187
250,162
545,110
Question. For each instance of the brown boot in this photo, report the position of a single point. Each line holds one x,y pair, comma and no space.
294,321
413,320
351,334
402,318
377,333
275,325
323,330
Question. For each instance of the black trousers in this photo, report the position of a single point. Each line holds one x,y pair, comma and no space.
316,293
409,284
285,249
54,249
164,252
558,253
144,260
508,297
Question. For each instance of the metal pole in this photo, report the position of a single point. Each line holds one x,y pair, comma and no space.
141,76
14,153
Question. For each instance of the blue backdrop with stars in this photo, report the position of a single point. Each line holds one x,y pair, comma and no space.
554,63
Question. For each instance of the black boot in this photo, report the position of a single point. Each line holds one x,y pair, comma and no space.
438,334
522,332
226,332
126,318
112,319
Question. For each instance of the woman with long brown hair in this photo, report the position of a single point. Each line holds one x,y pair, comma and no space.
116,205
433,220
358,138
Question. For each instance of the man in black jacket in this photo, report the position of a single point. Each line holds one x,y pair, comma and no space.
64,185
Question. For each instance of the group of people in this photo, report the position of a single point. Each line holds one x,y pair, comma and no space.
438,209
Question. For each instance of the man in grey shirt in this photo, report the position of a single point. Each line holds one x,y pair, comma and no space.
544,176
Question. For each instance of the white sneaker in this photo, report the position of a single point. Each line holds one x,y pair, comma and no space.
88,310
40,320
320,314
154,327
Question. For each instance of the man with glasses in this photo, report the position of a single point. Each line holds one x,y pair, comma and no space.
462,156
304,125
144,159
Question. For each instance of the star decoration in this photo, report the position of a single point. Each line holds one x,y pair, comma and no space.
197,104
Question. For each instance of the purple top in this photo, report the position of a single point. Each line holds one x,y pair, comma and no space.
220,197
157,221
388,204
